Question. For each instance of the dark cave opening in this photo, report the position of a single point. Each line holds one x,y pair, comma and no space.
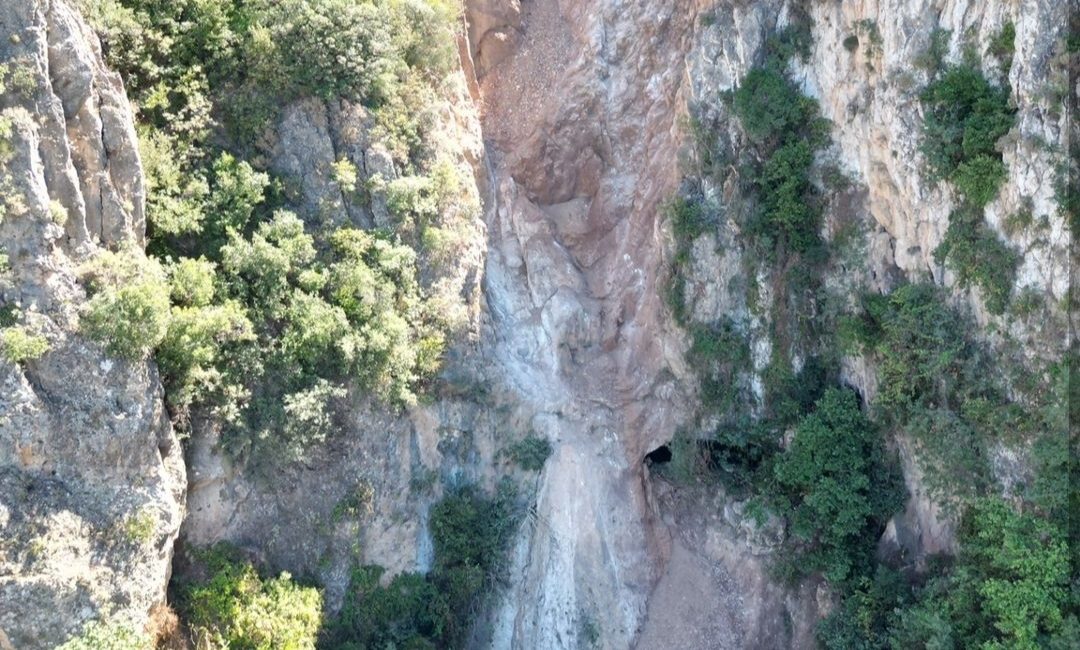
659,456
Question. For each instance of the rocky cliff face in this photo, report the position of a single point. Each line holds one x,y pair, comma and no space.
582,109
863,70
92,479
567,123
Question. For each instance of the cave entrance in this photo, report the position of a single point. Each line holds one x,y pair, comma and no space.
659,456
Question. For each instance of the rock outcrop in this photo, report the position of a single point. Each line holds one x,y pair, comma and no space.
863,69
293,519
91,475
566,126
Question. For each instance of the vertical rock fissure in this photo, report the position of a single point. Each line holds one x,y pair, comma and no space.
581,102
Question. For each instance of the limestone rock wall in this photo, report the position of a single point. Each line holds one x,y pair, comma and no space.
292,518
91,475
567,126
870,93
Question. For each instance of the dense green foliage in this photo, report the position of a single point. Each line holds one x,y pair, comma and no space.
688,218
837,487
112,636
979,257
770,107
261,318
1007,588
965,117
934,383
785,126
17,344
470,534
128,311
530,453
235,608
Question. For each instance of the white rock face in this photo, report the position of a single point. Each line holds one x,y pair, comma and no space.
91,474
581,124
566,123
872,97
581,120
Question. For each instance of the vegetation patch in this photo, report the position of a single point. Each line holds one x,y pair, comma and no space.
965,117
838,489
256,319
530,453
809,453
108,636
232,606
1007,588
978,257
470,534
18,345
128,310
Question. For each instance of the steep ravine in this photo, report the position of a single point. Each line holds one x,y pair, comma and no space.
581,116
568,120
580,120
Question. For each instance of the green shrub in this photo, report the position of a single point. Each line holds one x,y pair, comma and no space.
788,208
924,625
236,190
191,352
937,385
953,454
1003,45
797,39
362,50
1008,588
128,312
919,344
270,323
530,453
191,282
863,619
235,608
837,488
769,106
258,269
410,612
108,636
978,256
965,116
317,335
470,534
18,345
743,452
1022,567
308,418
789,395
688,218
785,127
174,195
357,504
721,356
979,178
346,175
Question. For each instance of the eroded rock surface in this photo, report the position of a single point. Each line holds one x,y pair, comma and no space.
570,136
91,475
